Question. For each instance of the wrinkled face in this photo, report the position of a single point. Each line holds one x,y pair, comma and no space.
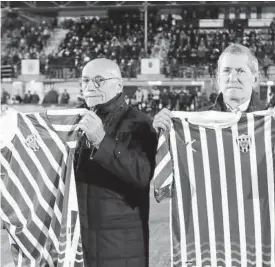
99,85
235,78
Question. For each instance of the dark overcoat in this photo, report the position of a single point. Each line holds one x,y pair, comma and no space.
113,188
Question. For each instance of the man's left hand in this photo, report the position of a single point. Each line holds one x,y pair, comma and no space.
92,126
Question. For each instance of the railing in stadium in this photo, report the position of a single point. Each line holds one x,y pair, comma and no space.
7,72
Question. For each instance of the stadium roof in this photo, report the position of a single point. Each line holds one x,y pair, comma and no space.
57,5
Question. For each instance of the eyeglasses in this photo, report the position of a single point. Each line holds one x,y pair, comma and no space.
98,81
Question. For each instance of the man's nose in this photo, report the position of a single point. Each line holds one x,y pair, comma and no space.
233,76
90,86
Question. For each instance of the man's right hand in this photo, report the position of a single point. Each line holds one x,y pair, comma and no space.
162,120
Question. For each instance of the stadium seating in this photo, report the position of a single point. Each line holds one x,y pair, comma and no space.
23,39
197,49
185,49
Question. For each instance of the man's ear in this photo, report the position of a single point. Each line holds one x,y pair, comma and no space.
119,88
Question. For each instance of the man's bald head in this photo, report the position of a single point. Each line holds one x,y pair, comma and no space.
103,67
101,81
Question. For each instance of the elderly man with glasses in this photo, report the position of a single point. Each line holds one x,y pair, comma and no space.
114,163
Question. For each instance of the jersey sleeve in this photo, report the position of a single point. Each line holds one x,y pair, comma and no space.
163,174
8,122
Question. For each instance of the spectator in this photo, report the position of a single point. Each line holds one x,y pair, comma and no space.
202,50
212,62
201,100
269,48
182,38
213,96
35,98
253,48
190,105
5,96
231,36
80,97
266,64
272,24
272,31
51,97
239,30
260,54
174,68
18,99
271,103
164,98
193,56
139,97
173,96
183,100
65,97
28,98
156,99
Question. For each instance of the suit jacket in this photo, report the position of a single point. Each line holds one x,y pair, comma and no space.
219,105
113,188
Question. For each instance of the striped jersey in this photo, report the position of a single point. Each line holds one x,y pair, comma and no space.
39,206
218,170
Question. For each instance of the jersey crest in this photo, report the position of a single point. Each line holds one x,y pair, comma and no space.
32,142
244,142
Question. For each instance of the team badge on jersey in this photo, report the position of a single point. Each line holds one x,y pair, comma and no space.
32,142
244,142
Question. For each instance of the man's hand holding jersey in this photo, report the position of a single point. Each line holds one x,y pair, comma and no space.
162,121
92,126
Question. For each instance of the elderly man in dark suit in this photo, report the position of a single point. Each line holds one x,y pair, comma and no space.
113,164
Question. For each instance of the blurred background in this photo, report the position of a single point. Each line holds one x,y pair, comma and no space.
167,52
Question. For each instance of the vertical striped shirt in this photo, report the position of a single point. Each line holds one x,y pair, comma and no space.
39,206
219,171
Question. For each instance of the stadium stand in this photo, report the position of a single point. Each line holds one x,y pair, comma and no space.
186,39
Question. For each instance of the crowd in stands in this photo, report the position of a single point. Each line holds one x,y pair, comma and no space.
120,41
200,49
185,50
24,39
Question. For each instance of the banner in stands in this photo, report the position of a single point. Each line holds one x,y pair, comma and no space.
150,66
30,67
211,23
253,23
